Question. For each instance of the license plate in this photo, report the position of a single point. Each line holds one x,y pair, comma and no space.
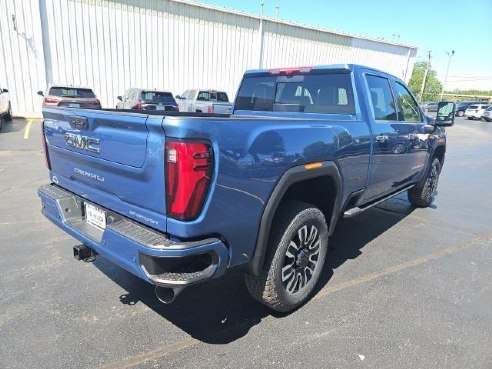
71,105
95,216
160,107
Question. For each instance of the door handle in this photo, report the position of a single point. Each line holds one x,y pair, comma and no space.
382,138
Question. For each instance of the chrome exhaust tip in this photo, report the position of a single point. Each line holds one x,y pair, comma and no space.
167,295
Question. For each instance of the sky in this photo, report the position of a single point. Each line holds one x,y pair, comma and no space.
438,26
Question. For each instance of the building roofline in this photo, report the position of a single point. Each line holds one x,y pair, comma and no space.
293,24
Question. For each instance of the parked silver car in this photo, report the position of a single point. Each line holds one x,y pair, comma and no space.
204,101
487,114
5,106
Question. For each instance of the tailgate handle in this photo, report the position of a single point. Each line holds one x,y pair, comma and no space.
80,123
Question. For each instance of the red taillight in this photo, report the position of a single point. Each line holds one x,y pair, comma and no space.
289,71
210,109
51,100
45,147
189,167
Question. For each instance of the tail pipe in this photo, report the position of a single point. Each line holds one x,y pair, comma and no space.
167,295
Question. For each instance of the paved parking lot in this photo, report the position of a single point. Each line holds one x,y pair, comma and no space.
401,288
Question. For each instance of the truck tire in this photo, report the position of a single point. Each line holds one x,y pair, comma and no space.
422,195
8,115
295,257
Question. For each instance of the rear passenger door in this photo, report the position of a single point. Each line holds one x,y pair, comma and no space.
391,139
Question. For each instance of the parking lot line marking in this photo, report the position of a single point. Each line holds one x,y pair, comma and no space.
142,358
402,266
190,342
27,129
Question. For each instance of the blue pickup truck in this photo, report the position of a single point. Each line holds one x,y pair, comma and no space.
179,198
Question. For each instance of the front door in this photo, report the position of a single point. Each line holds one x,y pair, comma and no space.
392,140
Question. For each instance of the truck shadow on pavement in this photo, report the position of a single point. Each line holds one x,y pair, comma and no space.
221,311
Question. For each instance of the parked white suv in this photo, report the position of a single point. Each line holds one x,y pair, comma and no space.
475,111
5,106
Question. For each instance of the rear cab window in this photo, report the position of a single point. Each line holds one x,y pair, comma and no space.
212,96
86,93
327,93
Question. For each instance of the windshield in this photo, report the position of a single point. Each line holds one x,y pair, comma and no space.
84,93
158,97
313,93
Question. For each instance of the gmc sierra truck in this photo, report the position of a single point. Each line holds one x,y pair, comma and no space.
179,198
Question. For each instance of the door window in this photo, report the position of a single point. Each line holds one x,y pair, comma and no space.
383,103
408,110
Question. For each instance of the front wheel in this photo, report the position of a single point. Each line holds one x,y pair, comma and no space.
295,257
423,194
460,113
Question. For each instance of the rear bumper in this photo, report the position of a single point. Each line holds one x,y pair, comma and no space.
143,251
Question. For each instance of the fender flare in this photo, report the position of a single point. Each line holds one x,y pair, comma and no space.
291,176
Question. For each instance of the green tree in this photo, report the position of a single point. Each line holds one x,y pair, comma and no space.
432,87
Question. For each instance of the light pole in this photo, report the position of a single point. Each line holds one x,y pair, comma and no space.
450,54
425,76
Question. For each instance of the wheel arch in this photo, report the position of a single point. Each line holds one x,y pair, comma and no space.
302,184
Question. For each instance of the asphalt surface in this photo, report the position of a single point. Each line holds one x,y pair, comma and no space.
402,288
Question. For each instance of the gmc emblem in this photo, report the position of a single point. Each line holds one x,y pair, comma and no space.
83,142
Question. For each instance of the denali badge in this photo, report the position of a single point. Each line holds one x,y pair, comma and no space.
83,142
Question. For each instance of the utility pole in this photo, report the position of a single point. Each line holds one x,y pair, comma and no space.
450,54
277,8
425,76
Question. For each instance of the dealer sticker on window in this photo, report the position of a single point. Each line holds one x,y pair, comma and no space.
95,216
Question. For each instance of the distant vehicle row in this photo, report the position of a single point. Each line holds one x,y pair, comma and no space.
477,111
194,100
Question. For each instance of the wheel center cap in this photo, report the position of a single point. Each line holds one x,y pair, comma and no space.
302,259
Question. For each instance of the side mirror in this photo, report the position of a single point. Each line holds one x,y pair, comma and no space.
445,114
179,97
5,90
120,98
40,93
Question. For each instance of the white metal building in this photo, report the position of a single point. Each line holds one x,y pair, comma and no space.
112,45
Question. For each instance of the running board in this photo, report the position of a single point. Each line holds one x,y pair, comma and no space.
356,211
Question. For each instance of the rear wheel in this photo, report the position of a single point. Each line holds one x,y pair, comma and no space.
470,118
460,113
423,194
295,257
1,122
8,116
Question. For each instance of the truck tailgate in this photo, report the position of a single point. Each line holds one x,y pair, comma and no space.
112,159
222,108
